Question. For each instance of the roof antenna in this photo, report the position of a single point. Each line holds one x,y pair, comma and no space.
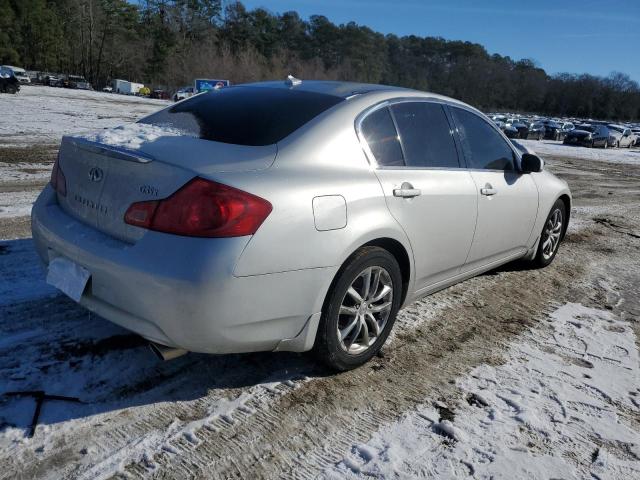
292,81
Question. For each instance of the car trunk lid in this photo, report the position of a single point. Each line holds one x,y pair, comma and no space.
103,180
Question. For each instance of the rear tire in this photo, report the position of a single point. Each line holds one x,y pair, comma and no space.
360,309
551,235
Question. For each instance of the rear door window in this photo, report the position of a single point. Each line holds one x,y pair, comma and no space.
380,134
483,146
245,115
425,134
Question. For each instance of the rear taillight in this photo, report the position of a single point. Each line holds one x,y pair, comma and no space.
58,180
202,208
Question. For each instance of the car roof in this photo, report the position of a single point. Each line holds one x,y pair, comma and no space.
328,87
347,90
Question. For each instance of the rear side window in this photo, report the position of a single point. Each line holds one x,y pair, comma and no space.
381,136
425,135
245,115
483,146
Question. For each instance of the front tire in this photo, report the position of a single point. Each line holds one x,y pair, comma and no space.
551,235
360,309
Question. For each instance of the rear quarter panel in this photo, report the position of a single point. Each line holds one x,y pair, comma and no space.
322,158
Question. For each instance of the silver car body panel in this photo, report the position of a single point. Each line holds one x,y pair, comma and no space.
329,198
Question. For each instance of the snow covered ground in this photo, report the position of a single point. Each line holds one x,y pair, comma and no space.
17,204
44,114
557,149
562,400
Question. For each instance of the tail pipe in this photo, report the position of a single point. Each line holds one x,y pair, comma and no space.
166,353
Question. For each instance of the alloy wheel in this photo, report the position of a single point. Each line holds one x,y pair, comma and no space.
551,234
364,310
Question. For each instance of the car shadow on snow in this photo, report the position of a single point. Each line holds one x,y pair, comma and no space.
49,343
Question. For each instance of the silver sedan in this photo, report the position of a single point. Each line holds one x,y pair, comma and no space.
290,216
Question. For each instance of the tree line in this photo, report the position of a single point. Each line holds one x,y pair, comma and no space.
168,43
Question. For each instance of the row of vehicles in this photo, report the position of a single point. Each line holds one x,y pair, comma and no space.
532,128
603,135
571,132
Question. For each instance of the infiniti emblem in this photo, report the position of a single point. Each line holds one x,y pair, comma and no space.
96,174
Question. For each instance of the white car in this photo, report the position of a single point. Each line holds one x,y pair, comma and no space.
183,93
290,216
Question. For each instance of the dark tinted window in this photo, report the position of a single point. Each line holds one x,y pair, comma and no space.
483,147
245,115
381,136
425,135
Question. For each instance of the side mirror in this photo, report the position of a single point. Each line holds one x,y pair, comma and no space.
530,163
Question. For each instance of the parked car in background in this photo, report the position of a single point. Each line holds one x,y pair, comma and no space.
183,93
52,81
18,72
635,132
510,131
160,94
76,81
552,130
56,81
107,89
622,136
588,136
182,242
520,125
565,128
8,81
536,131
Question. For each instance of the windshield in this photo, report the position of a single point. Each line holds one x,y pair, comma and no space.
245,115
587,128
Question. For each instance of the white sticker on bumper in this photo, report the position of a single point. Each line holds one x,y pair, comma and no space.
68,277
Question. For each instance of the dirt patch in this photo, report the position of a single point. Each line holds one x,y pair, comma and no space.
44,153
15,227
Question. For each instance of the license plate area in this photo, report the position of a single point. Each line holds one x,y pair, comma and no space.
68,277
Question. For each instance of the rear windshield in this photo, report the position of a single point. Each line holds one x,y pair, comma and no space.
245,115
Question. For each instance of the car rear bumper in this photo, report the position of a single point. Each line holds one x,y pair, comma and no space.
181,291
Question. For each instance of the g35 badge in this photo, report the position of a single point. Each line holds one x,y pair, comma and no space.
149,190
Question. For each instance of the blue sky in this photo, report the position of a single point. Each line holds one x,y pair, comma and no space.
583,36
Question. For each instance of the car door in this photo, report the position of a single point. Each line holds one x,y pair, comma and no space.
507,199
426,188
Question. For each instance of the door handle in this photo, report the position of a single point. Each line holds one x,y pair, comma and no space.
488,190
406,190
